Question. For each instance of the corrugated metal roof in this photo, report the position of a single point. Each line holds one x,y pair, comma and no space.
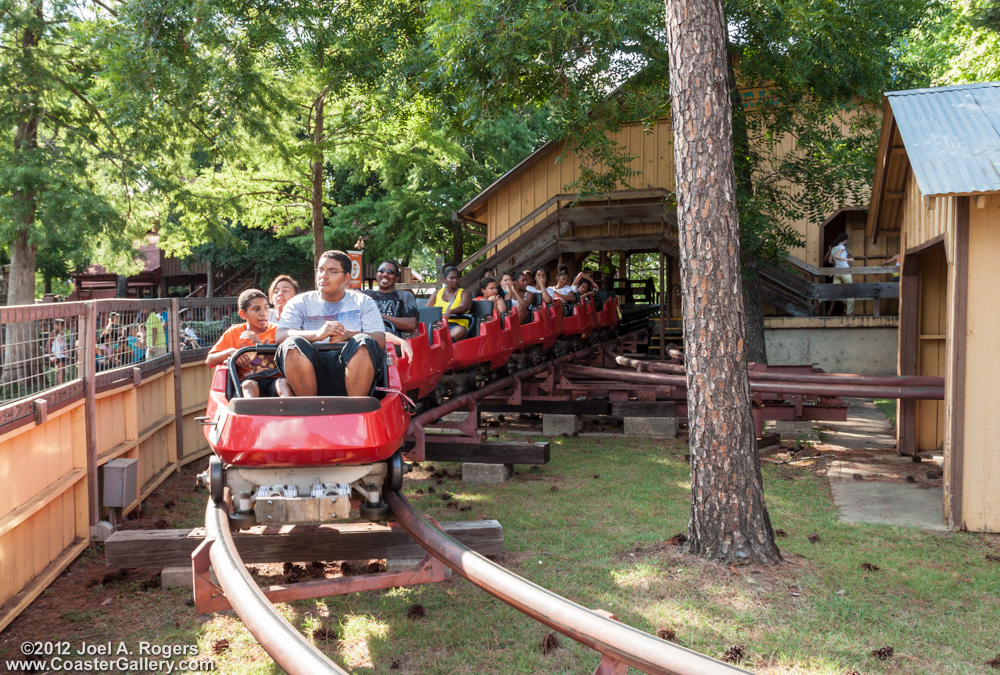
952,136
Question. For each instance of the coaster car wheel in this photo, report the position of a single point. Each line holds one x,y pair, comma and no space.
216,480
394,476
377,512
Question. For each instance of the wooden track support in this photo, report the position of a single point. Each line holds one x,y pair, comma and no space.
295,543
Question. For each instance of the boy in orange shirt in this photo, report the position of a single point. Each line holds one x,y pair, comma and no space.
258,373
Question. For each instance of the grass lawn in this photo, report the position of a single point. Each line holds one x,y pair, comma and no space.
888,408
591,526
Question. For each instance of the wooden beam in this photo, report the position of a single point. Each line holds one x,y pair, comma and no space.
295,543
488,452
956,391
90,408
590,407
644,409
888,289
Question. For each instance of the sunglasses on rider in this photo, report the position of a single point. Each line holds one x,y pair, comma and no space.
386,270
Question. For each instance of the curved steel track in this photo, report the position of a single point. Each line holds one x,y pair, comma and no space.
620,645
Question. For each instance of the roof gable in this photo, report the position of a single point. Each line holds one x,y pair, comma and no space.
952,137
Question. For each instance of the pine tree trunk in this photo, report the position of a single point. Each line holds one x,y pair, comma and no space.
319,243
729,520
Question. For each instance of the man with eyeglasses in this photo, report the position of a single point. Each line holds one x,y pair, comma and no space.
399,310
332,313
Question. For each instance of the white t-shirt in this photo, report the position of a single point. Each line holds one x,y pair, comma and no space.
58,346
839,255
565,290
309,311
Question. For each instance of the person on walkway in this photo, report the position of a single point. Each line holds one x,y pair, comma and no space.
331,314
398,309
453,300
281,290
840,260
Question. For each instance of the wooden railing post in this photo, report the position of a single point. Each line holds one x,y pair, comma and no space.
90,405
178,398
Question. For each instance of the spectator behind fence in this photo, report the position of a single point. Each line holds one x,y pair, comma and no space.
258,373
191,338
136,342
58,350
282,289
113,338
156,336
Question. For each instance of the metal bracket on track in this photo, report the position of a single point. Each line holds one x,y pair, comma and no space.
209,597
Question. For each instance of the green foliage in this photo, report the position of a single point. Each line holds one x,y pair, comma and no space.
955,42
68,173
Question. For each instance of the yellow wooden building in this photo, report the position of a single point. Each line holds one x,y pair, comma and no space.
530,218
937,188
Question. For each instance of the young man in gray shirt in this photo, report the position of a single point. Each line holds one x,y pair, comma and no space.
332,313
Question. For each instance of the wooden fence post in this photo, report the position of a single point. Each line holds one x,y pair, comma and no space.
90,405
178,392
176,340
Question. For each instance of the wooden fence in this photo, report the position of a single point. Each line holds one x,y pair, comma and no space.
54,438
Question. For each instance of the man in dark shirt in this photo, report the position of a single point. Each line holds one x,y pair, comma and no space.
398,309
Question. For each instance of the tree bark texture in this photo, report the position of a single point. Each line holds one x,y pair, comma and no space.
729,520
319,243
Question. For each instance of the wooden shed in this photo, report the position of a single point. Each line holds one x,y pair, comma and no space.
937,187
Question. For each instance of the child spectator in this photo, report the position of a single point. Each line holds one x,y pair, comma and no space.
57,348
257,372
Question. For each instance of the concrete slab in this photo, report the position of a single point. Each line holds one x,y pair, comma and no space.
181,576
889,503
651,427
560,425
867,486
487,474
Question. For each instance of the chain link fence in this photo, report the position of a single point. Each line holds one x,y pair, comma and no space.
43,347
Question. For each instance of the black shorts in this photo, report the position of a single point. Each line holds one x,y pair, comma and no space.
330,366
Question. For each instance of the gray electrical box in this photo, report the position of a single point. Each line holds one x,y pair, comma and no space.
120,477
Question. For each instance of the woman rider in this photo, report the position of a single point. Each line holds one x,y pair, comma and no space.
542,296
282,289
453,300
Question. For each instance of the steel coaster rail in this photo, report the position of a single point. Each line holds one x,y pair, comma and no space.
287,646
623,643
792,378
909,392
460,402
